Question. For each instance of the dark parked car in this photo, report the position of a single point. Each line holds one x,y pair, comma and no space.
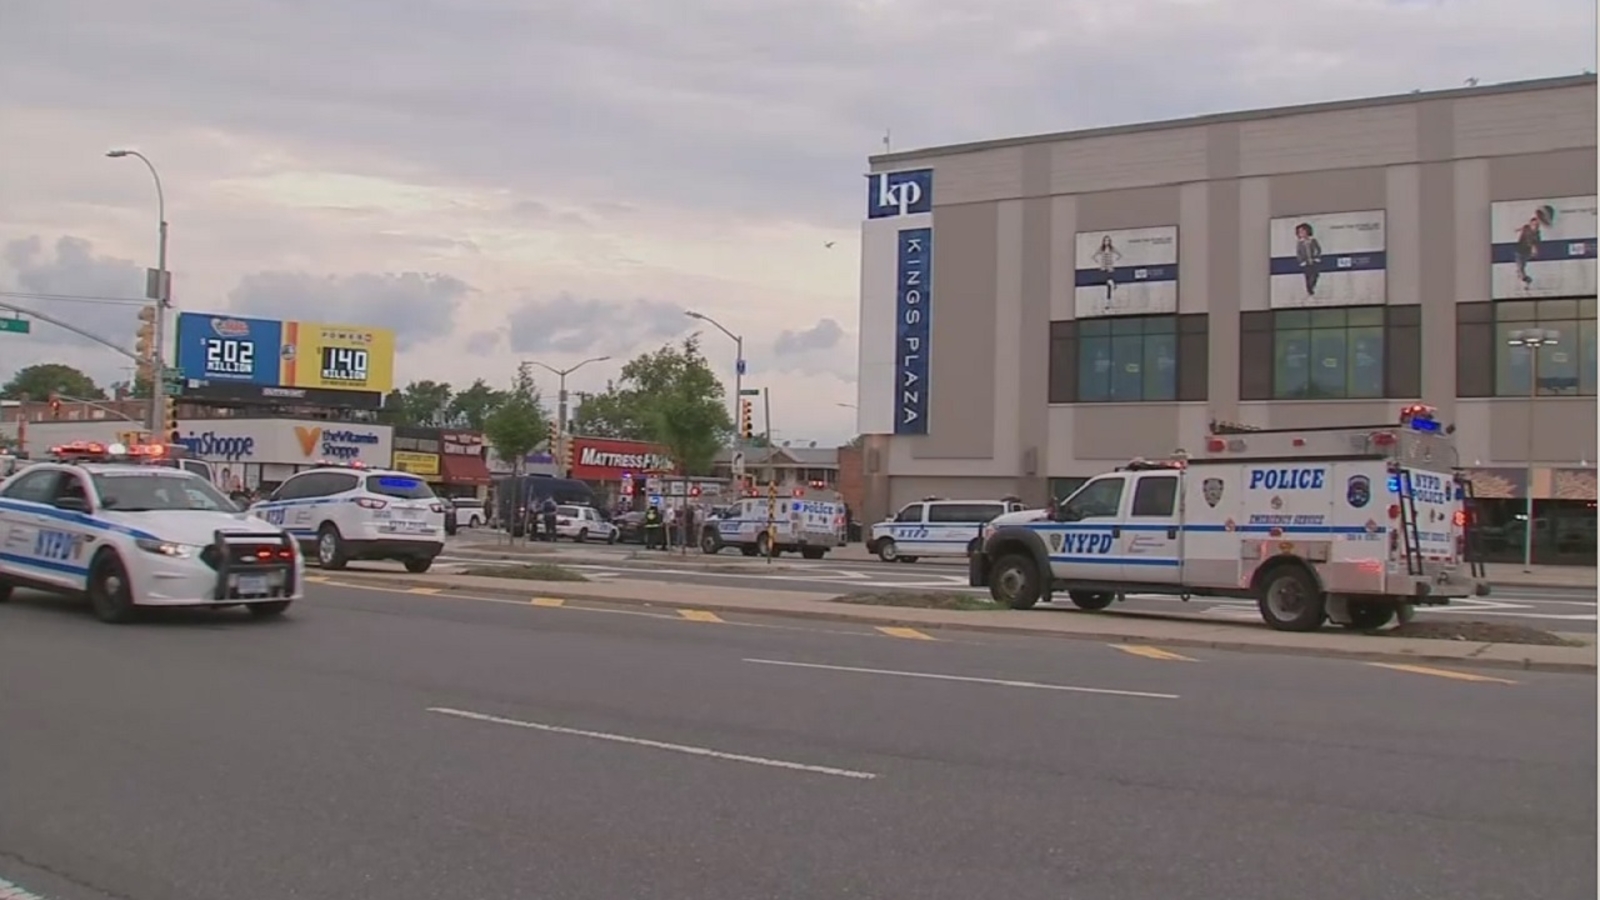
630,527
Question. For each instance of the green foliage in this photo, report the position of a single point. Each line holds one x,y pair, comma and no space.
40,381
471,407
137,389
669,397
518,423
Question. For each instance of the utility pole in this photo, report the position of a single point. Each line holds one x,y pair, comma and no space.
561,407
766,402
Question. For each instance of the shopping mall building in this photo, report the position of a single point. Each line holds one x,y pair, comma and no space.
1037,310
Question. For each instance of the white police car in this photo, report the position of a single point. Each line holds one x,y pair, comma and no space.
94,520
341,513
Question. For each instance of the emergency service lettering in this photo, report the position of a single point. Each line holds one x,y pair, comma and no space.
1427,488
1085,543
1287,479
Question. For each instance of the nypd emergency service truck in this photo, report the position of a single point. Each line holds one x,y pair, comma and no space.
123,527
1355,525
809,521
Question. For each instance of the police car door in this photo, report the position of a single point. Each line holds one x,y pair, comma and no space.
1084,540
952,527
1151,544
59,550
24,504
910,531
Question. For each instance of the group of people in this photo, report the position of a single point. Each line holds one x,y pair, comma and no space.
662,531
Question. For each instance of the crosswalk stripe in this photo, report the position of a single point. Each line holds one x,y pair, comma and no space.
1153,653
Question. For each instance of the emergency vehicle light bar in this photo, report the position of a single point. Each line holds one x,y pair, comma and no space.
1420,418
1143,465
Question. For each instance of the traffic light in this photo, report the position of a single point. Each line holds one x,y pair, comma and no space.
555,437
145,347
55,407
747,420
169,418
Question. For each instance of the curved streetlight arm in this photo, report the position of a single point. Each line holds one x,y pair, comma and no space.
717,325
72,328
161,196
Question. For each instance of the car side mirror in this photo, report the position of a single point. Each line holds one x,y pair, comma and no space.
72,504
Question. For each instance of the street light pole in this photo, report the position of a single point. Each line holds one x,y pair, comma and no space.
738,368
1531,339
561,392
158,369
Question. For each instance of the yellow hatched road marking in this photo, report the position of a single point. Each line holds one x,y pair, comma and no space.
910,634
551,602
423,590
1441,673
1153,653
699,615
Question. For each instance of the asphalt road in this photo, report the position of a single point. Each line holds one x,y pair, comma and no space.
377,745
1548,609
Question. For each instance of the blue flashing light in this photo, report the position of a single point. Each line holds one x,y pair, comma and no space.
1394,484
1428,425
396,483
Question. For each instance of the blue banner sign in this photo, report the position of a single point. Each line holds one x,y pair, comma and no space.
913,298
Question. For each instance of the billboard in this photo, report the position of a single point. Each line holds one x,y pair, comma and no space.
1132,272
1542,248
607,459
905,193
313,356
1328,259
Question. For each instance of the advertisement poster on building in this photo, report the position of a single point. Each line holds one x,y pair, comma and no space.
608,460
1543,248
1132,272
1329,259
307,357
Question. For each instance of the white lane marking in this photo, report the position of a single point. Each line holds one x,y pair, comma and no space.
655,745
9,891
969,679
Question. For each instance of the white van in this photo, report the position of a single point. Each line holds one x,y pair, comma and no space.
935,527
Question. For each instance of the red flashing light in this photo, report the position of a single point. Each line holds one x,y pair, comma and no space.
1298,442
1394,510
1216,445
1461,518
1382,438
798,492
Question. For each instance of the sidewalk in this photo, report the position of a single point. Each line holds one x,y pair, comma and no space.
1119,627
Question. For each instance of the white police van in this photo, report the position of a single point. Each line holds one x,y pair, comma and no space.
936,527
1355,525
121,526
809,521
342,512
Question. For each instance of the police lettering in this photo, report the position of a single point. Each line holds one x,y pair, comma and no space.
1086,543
1287,479
60,545
1427,488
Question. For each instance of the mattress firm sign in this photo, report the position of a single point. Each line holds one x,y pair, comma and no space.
599,459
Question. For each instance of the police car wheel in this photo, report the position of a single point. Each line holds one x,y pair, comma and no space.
1014,582
1290,600
110,595
747,550
709,544
330,547
887,551
1092,600
1369,615
269,609
419,564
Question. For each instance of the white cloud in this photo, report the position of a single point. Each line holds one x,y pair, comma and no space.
695,155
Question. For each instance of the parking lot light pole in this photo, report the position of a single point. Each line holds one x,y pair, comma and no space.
158,369
1532,340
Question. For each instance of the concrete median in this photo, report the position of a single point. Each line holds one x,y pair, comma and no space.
1112,627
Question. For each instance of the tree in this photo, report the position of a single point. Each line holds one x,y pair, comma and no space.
669,397
44,379
418,403
137,389
471,408
518,423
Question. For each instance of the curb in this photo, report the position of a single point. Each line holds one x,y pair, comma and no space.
1536,585
554,590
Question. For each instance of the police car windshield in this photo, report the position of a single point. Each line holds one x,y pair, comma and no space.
401,486
153,490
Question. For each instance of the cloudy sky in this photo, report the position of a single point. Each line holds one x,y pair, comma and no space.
508,179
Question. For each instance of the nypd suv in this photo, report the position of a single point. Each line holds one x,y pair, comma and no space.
105,521
347,512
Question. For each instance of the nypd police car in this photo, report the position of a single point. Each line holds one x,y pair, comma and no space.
101,520
344,512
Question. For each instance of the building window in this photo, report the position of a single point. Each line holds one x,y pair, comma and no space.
1331,353
1483,332
1128,359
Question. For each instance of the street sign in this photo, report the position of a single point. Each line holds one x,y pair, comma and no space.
157,285
750,392
738,464
739,367
16,326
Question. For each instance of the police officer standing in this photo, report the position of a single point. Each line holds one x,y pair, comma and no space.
655,532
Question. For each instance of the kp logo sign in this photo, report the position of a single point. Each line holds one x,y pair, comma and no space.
899,193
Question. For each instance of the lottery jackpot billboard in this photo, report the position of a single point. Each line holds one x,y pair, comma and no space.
221,350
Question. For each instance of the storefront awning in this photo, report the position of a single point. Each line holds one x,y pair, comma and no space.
464,469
